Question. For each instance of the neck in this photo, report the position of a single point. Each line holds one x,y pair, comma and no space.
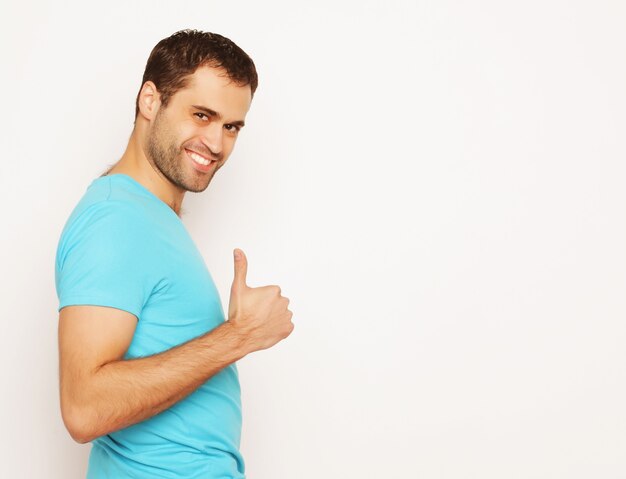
135,164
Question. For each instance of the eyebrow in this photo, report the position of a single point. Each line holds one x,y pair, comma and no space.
217,115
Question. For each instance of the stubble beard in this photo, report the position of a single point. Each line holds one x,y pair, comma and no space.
166,156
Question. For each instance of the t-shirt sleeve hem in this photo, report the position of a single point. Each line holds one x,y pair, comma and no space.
98,301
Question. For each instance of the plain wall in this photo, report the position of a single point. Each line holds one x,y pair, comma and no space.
438,187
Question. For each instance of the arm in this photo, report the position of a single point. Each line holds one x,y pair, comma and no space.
101,392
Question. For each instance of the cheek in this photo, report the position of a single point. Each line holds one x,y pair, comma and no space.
181,140
229,144
189,136
230,141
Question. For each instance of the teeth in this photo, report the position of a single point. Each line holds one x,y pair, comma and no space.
198,158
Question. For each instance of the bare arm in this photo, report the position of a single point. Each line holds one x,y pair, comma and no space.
101,392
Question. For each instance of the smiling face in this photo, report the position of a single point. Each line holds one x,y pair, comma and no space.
193,136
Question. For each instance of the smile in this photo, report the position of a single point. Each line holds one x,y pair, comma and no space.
199,158
200,163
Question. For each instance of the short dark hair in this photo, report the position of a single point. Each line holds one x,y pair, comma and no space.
178,56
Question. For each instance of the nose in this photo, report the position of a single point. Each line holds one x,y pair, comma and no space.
212,138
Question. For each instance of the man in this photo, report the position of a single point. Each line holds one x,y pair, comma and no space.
147,357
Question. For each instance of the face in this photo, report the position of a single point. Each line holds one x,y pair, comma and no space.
194,135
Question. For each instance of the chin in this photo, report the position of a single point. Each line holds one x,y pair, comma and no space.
197,188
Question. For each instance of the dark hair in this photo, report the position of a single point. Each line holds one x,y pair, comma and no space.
176,57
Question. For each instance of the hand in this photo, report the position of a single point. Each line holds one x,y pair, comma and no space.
259,314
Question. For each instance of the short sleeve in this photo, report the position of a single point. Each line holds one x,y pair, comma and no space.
103,258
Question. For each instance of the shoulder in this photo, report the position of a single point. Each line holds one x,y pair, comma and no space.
102,218
105,217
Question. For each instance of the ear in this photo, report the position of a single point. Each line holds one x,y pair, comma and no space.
149,100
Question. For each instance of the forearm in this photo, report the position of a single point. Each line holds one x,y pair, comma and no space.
125,392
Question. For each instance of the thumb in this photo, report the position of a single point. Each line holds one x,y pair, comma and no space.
241,268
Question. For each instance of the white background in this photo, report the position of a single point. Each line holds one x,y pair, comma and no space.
437,186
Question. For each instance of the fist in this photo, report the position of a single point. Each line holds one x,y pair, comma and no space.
259,314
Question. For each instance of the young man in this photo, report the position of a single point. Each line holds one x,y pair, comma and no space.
147,356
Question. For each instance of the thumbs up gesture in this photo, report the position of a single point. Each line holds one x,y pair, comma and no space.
260,314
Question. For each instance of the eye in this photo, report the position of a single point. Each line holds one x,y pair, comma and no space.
199,115
232,128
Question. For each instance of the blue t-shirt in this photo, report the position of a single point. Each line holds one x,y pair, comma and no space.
124,248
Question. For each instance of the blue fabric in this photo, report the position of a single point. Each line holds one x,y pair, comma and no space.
124,248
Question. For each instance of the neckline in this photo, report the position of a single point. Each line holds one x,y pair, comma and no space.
136,184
